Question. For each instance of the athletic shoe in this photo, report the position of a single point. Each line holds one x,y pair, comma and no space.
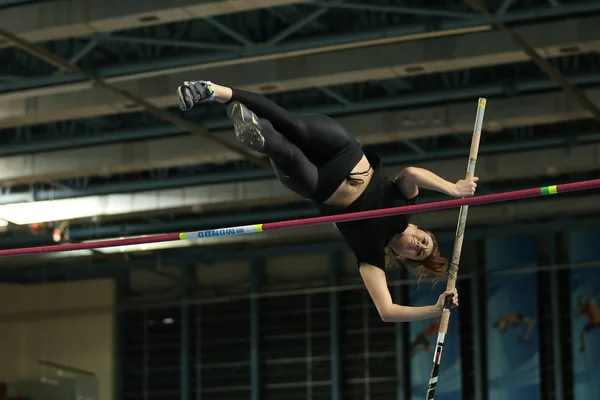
246,125
194,92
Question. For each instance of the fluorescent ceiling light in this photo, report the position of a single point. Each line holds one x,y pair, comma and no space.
52,210
194,198
92,206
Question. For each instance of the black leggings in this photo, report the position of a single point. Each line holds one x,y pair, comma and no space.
311,154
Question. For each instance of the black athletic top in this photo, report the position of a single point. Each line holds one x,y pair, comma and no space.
367,238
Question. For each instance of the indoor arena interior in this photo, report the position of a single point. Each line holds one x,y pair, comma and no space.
149,252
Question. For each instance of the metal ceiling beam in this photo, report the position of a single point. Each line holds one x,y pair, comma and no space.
388,61
53,84
540,60
345,107
13,3
162,42
140,101
216,197
126,72
375,128
315,15
257,174
422,11
64,19
506,4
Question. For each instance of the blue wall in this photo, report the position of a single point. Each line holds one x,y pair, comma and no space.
585,282
512,361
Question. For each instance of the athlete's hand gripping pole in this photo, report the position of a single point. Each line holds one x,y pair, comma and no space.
458,241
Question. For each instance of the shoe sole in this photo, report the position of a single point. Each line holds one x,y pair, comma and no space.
182,99
247,132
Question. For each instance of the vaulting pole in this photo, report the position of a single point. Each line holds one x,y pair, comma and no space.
458,241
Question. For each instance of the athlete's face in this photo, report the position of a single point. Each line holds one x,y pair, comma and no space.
413,244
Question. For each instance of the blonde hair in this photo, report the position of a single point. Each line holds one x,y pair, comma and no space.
434,264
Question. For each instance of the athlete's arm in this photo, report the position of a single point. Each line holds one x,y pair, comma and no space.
376,284
410,179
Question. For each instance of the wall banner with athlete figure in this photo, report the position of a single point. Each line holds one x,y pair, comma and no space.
512,311
585,303
423,335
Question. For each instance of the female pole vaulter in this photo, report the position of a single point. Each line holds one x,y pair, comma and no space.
313,156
